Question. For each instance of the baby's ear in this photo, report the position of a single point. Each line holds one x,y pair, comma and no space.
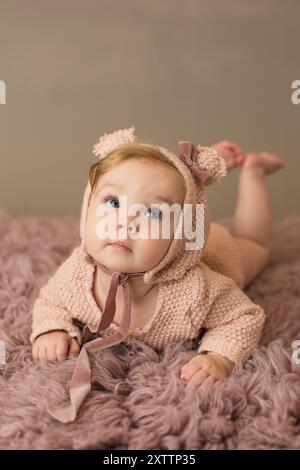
212,161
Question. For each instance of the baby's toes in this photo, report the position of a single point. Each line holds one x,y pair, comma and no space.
233,160
240,158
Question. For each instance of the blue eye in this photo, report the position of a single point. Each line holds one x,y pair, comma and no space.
112,198
156,213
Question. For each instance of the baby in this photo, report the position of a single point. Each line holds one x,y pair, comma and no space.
174,291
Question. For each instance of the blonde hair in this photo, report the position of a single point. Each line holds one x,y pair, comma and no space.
126,152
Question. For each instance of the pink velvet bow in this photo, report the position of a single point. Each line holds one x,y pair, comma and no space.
188,153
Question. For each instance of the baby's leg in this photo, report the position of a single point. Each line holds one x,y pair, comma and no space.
252,227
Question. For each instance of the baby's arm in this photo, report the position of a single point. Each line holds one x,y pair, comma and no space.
54,335
233,323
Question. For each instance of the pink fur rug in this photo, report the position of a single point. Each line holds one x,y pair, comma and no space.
137,402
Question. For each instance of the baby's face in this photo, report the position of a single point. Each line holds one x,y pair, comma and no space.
139,182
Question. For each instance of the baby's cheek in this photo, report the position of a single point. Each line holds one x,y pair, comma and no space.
90,236
93,243
149,253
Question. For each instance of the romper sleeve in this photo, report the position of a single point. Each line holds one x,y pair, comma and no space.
51,308
233,323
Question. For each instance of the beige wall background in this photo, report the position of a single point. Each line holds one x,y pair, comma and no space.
197,70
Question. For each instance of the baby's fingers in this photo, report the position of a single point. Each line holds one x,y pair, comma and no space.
51,352
197,379
218,382
42,353
62,350
74,348
191,367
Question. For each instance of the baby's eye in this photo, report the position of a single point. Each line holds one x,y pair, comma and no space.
113,199
155,213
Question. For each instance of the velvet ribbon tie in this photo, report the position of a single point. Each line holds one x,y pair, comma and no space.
80,384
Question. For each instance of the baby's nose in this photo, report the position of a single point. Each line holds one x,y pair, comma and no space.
128,225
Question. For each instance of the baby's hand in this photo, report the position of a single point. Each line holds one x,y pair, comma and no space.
203,366
231,152
54,346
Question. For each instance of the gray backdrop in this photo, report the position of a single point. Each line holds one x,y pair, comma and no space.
196,70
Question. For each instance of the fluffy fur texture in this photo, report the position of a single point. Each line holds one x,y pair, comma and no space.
137,400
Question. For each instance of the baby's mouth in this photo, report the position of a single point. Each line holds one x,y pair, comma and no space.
120,245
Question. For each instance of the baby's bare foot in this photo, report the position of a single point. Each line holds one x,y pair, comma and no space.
231,152
233,161
267,162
